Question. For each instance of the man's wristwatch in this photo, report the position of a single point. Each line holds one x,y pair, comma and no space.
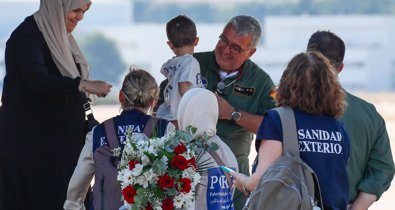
236,115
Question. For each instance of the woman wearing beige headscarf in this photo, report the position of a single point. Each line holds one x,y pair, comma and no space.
42,120
199,108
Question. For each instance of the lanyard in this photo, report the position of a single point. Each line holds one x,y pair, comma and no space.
221,84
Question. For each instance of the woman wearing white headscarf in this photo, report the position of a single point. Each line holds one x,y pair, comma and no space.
199,108
42,120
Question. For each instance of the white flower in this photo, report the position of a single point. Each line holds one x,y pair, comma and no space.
189,199
139,137
158,207
184,200
152,149
126,177
178,201
188,172
191,174
160,142
142,180
145,160
196,179
151,176
151,157
116,151
137,170
186,156
140,140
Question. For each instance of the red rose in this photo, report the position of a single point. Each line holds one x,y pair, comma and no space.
128,194
180,149
167,204
132,164
179,162
192,161
166,181
149,207
185,185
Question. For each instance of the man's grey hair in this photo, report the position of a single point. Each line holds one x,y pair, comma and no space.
245,25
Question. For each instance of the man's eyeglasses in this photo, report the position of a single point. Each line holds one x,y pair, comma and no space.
235,49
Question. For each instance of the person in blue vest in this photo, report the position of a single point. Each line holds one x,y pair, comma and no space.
137,96
310,87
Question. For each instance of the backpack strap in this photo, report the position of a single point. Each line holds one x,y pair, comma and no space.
221,163
150,125
290,140
112,138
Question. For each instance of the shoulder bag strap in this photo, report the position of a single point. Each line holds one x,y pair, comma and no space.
112,138
150,125
290,140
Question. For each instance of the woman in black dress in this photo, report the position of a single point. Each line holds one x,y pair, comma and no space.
42,120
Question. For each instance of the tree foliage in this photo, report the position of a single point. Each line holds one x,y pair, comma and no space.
104,57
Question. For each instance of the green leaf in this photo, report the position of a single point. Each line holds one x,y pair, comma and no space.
192,130
135,207
171,192
213,147
175,174
158,191
158,167
140,191
137,199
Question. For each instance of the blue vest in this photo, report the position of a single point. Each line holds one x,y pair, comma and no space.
323,144
128,121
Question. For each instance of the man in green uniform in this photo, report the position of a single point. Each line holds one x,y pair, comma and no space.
243,89
371,167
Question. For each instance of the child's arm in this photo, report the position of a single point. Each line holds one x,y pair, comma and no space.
183,87
82,176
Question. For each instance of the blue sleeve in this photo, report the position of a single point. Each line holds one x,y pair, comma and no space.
270,128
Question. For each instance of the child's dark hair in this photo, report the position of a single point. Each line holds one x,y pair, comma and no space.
181,31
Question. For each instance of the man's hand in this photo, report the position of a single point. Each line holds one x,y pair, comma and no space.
247,120
225,109
363,201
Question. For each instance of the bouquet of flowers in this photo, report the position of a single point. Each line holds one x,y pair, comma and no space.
160,173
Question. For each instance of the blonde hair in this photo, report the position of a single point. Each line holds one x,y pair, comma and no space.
139,88
309,83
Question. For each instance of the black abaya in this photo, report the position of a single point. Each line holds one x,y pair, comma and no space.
42,124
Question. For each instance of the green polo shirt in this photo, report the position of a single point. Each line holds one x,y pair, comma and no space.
249,92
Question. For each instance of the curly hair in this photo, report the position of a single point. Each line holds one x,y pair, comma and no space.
310,84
